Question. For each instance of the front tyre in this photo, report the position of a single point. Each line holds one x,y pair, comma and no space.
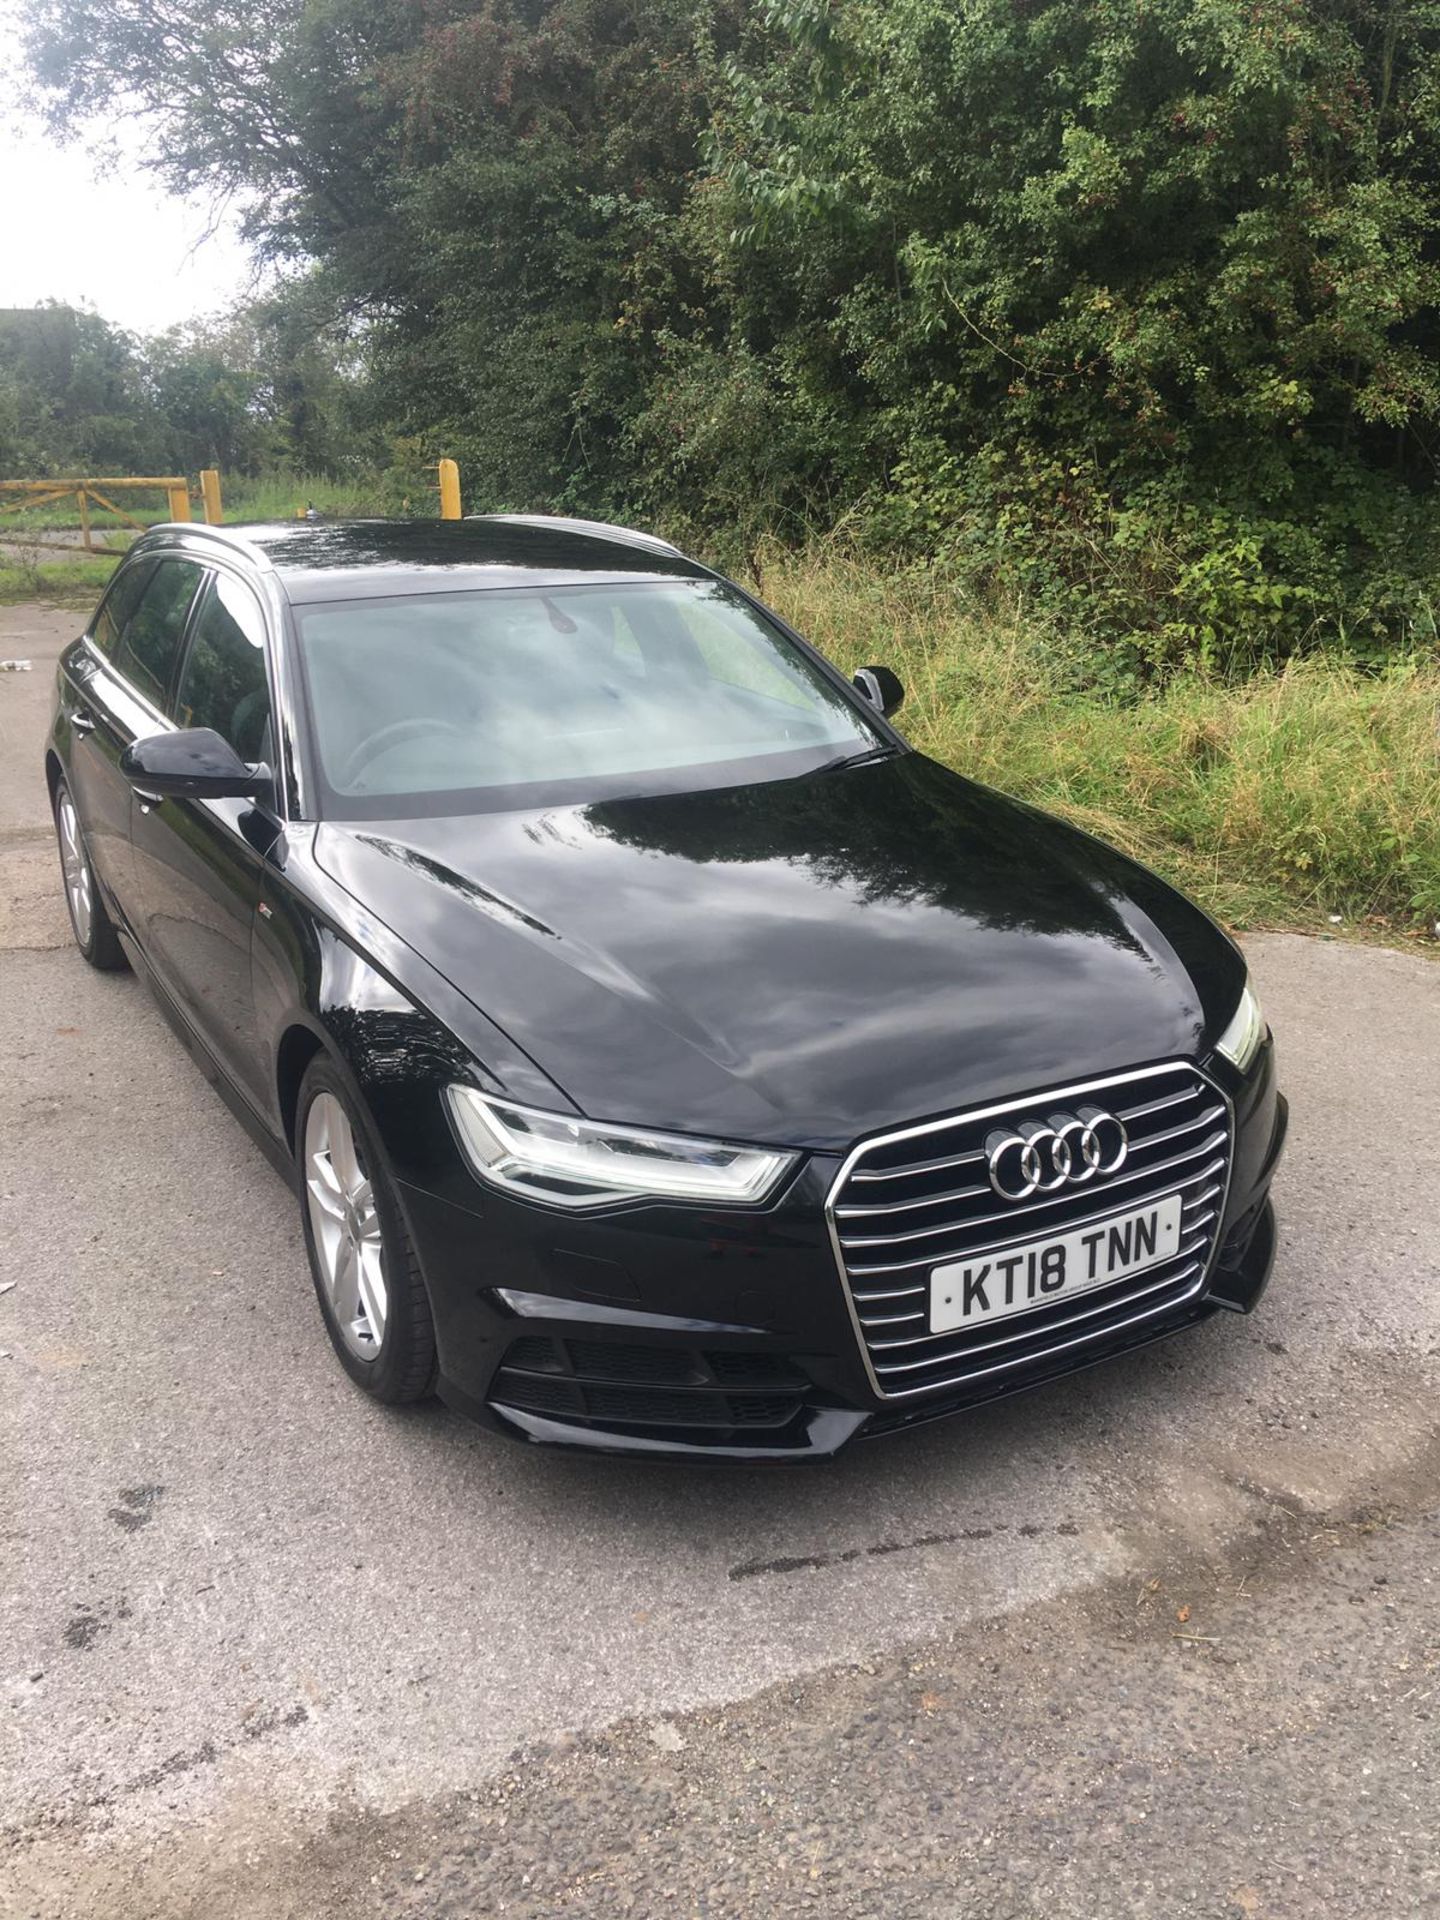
366,1275
91,925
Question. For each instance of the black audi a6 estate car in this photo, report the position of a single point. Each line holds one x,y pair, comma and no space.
665,1056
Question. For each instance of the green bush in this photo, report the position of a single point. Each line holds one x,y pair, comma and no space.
1131,314
1153,581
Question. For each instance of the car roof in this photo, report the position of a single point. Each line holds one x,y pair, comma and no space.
348,559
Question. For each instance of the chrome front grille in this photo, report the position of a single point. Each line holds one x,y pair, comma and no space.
921,1197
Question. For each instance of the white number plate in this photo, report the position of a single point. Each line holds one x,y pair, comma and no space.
1016,1279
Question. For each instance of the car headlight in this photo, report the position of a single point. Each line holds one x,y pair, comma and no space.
1240,1041
570,1162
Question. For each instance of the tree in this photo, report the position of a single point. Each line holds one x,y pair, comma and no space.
1138,304
492,191
79,399
1133,307
1187,229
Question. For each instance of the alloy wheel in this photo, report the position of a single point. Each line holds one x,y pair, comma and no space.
345,1227
75,865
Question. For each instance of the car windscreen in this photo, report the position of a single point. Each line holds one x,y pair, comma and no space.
451,701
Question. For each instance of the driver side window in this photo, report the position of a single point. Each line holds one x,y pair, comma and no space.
151,637
118,605
222,682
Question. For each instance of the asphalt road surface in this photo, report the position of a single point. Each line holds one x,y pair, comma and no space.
1163,1640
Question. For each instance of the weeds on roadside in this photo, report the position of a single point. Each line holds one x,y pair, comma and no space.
37,572
1282,799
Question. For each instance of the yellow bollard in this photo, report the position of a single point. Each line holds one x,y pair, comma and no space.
179,502
210,494
449,490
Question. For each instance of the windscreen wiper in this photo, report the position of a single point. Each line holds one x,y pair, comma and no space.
861,759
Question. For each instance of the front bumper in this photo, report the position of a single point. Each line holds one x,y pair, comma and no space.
663,1330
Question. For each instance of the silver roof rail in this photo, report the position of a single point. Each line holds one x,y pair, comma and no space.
629,536
229,536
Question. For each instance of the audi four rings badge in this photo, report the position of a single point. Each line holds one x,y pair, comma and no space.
1063,1150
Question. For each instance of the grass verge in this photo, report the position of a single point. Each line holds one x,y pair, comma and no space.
71,580
1278,801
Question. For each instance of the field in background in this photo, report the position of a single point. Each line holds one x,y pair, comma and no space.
72,579
271,498
29,572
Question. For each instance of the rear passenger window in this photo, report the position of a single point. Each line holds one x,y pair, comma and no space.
222,683
118,605
152,634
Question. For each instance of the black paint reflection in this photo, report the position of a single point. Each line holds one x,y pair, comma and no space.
904,832
381,1032
801,960
458,883
410,545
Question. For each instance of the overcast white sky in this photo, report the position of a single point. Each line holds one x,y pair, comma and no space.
108,237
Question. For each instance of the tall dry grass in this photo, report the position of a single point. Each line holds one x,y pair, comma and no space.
1282,799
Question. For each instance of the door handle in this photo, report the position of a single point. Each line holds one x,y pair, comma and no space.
82,722
146,798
